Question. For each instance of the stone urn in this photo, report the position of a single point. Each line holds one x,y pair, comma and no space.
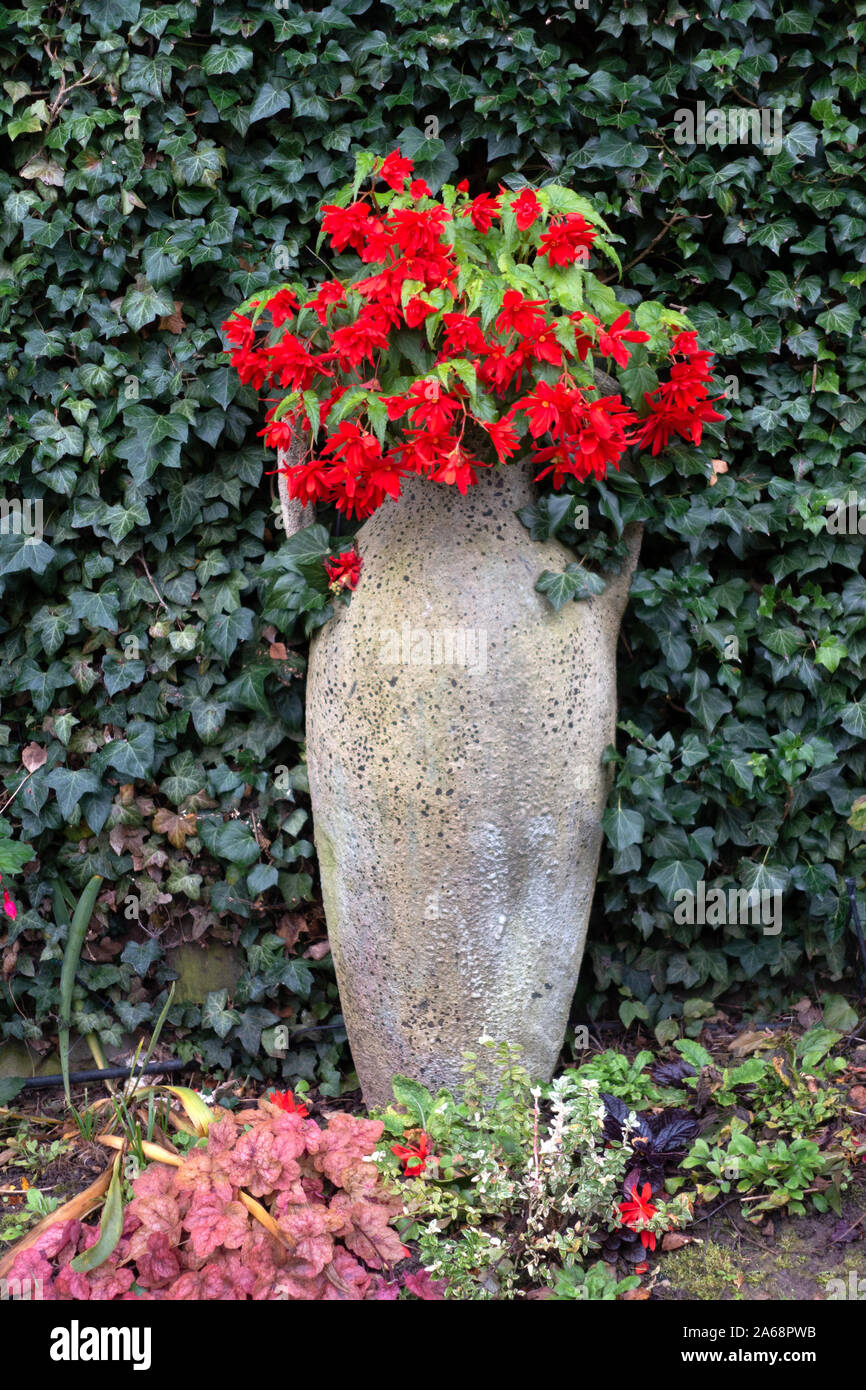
455,729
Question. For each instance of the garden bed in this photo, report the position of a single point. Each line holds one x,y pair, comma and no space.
739,1179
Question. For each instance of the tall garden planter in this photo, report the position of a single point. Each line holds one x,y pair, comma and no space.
456,723
455,730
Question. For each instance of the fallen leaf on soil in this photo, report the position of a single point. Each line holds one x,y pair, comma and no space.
751,1041
808,1014
844,1234
635,1295
674,1240
858,1096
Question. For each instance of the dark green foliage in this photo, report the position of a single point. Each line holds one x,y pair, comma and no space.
166,161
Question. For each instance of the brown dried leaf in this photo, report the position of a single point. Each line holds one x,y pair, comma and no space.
104,950
290,926
33,755
10,956
127,839
177,827
174,323
751,1041
675,1240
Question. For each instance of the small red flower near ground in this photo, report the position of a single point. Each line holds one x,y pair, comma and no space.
413,1157
640,1208
284,1100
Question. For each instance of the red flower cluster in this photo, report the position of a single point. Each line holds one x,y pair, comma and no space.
589,435
681,405
414,286
344,570
567,240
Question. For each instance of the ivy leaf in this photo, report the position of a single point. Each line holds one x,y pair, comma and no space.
709,706
217,1016
224,631
268,101
231,840
132,756
614,150
842,318
229,58
109,16
622,827
99,608
675,875
853,718
71,784
144,303
763,878
572,582
830,653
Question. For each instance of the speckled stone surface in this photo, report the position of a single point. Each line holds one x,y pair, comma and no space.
456,782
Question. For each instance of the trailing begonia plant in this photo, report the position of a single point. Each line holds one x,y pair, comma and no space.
459,333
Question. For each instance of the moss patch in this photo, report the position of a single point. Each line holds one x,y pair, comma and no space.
797,1259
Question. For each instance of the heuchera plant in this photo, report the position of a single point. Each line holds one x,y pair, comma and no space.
186,1235
453,328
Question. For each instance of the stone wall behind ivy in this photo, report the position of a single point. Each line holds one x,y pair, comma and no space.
164,161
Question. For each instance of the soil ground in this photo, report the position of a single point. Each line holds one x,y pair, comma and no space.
792,1258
